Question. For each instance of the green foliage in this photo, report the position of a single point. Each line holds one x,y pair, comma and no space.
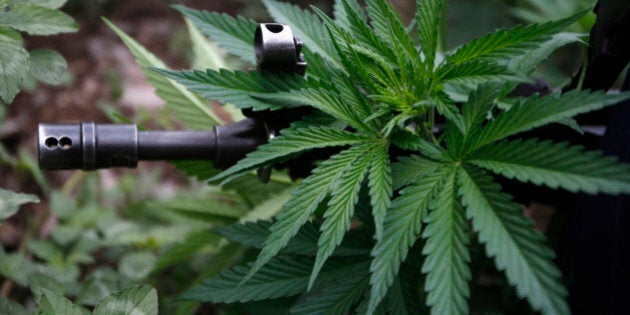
540,11
554,165
384,92
47,66
506,44
10,202
235,35
132,300
33,18
184,105
37,20
279,278
53,303
236,88
290,142
14,63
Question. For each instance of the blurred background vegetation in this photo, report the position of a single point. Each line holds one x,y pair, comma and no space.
92,234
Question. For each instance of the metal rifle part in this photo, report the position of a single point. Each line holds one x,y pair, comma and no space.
91,146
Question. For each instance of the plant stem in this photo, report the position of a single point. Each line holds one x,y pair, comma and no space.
72,183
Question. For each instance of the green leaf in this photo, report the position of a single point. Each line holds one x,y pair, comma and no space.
47,66
186,106
290,142
380,184
358,31
528,61
387,24
336,297
10,307
446,247
10,202
330,102
52,303
351,96
447,108
14,64
408,168
140,299
306,198
476,109
234,35
303,243
510,238
207,55
206,209
506,44
535,111
394,301
136,265
555,165
340,209
36,20
402,226
254,235
306,26
236,87
47,251
341,12
225,258
477,72
16,267
52,4
405,296
281,277
267,208
97,285
429,21
433,150
405,139
182,251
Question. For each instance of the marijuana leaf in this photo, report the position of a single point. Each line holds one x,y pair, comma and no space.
447,258
429,19
505,44
185,105
510,238
291,142
402,226
306,198
279,278
380,182
534,112
340,209
235,35
554,165
235,87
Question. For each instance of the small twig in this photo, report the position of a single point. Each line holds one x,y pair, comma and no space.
5,290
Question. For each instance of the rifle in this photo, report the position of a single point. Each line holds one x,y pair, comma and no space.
90,146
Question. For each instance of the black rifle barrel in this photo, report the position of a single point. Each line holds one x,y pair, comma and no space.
90,146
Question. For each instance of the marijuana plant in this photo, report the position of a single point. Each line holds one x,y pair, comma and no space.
419,137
